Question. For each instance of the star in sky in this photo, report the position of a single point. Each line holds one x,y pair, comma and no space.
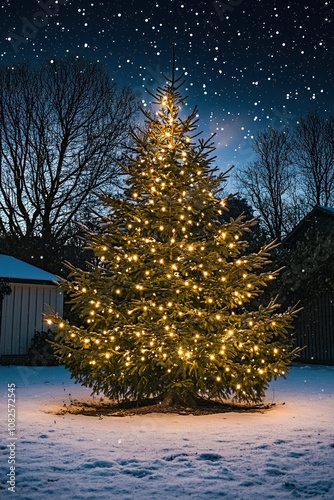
248,64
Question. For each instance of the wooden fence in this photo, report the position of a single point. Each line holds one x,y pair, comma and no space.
315,331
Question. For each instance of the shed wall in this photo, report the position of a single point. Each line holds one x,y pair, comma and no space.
315,331
22,315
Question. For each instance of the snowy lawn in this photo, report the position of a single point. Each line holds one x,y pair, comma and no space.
286,452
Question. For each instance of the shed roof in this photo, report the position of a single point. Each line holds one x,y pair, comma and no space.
19,271
317,210
327,210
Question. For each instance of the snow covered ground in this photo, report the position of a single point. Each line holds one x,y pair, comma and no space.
287,452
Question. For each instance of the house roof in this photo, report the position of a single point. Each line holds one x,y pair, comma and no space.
327,210
318,209
19,271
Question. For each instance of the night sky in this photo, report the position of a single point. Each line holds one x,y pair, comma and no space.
248,63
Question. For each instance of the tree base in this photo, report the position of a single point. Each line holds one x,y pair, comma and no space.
180,400
203,407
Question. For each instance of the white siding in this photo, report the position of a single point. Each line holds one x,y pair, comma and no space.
22,315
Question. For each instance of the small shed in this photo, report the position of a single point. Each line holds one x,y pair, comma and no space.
21,312
308,256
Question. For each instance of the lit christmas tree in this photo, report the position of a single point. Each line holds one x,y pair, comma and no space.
169,309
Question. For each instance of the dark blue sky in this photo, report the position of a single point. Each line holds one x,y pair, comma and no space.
248,63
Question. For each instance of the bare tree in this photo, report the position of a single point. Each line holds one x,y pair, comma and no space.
269,182
313,155
62,131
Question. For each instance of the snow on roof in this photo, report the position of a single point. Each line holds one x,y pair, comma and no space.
12,268
329,210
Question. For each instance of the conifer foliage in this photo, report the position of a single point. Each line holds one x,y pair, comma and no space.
171,308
